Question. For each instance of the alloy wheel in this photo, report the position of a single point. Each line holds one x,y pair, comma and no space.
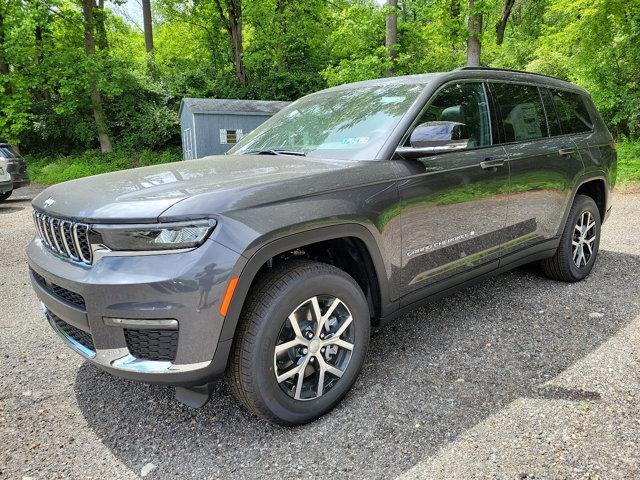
314,347
584,234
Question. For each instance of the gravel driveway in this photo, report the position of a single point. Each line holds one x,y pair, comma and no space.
519,377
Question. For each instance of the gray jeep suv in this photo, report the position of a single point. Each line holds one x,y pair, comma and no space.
344,210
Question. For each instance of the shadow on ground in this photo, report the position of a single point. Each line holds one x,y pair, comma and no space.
6,209
428,377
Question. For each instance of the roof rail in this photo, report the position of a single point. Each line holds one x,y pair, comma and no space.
492,69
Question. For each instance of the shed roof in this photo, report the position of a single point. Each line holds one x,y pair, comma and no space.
229,106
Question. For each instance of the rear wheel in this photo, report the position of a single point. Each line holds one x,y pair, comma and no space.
300,344
5,195
579,243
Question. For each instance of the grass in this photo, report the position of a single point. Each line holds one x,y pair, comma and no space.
50,170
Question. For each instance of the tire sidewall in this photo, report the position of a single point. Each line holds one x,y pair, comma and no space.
311,284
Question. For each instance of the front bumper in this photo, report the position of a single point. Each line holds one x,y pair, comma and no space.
186,287
6,186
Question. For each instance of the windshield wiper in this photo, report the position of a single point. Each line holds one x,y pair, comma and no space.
275,152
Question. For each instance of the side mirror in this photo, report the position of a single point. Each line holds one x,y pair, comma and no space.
435,137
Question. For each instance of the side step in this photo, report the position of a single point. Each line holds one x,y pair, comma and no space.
194,397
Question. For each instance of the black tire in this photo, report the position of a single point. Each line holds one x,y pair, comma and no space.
5,195
562,265
250,373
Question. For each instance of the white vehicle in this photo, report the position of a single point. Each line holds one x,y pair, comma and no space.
6,184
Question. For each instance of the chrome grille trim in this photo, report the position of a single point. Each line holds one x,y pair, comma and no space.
67,238
67,226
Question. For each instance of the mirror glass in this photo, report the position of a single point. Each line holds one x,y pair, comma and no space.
441,134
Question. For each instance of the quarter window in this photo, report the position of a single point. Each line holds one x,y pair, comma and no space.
521,111
464,103
572,111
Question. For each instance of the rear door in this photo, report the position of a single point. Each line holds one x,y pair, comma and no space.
453,205
543,167
575,122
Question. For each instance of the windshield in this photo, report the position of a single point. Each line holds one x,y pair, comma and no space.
344,124
7,152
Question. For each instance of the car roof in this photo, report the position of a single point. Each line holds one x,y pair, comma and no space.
462,73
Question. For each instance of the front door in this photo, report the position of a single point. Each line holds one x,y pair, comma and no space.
454,205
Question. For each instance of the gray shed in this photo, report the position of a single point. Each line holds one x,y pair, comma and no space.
212,126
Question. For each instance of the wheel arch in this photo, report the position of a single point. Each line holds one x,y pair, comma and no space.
299,240
596,189
583,185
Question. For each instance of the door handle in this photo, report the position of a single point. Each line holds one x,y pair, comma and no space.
566,151
492,163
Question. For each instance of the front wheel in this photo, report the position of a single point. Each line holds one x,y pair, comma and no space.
5,195
300,343
579,243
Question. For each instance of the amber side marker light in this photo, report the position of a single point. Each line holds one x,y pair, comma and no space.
228,295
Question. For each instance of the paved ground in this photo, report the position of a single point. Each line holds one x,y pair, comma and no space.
520,377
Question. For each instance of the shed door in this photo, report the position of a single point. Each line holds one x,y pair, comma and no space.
187,143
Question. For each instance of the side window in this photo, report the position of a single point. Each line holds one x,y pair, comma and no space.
464,103
521,112
552,114
572,111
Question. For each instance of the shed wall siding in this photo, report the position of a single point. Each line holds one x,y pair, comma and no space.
207,130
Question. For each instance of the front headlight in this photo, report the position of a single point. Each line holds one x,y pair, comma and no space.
170,236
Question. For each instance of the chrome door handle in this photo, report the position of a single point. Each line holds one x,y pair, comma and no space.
491,163
566,151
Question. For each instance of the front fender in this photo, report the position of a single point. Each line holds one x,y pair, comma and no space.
258,256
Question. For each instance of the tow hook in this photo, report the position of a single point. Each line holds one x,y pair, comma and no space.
194,397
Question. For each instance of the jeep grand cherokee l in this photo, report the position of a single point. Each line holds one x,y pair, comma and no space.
344,210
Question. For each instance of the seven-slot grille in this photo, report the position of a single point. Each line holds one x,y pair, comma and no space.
68,238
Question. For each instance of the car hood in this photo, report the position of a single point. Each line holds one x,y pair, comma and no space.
207,186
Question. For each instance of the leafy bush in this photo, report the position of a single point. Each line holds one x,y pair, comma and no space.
50,170
628,161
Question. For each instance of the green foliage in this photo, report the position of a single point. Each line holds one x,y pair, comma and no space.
48,170
628,162
290,49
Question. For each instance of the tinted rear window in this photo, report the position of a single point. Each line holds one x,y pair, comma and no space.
572,112
7,152
521,112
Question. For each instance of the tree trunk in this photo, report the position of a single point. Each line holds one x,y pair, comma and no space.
232,20
148,25
101,31
96,99
473,42
40,92
504,18
391,34
236,39
4,65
